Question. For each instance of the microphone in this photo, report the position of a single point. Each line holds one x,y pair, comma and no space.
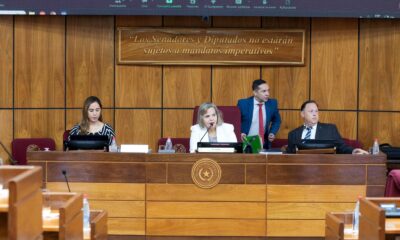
12,160
64,172
211,124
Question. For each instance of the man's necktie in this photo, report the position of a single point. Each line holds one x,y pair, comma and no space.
260,122
308,133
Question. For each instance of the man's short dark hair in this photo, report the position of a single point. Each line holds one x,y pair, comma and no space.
307,102
257,83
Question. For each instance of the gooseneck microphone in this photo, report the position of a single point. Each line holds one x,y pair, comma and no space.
211,125
64,172
12,160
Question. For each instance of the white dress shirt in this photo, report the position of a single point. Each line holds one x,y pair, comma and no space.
254,122
313,131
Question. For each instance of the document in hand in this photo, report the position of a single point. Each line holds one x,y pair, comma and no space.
252,144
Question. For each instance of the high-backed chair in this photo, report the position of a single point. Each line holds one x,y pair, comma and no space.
21,145
353,143
393,184
230,114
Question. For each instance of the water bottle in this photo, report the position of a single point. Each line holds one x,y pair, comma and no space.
375,147
356,217
113,146
168,144
86,215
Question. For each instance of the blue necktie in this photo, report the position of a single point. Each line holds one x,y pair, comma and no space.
308,134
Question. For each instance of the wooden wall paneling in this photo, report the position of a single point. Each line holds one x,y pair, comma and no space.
6,60
289,84
379,64
6,132
39,61
230,83
90,59
346,122
291,119
138,86
186,86
138,127
334,55
177,123
382,125
74,116
33,123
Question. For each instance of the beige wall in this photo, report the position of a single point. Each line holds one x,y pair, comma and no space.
49,65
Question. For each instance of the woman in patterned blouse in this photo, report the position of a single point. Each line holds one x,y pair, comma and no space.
92,120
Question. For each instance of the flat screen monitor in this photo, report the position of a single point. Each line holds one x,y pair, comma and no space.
290,8
87,142
316,144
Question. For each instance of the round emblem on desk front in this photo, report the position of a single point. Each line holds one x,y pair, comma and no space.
206,173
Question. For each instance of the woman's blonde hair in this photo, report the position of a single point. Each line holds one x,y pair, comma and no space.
84,124
203,110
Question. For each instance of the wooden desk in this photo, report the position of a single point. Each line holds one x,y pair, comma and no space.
69,225
20,211
373,223
257,196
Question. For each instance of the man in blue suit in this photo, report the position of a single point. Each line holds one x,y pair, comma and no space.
260,114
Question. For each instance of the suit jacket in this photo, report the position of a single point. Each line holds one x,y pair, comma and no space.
325,131
225,133
273,121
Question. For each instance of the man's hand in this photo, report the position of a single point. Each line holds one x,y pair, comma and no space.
243,135
359,151
271,137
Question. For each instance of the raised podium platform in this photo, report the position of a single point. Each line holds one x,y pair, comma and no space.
256,196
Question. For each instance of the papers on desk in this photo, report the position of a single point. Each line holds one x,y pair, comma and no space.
215,150
271,152
48,214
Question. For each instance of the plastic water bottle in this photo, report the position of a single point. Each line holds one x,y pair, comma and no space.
86,216
356,217
113,146
168,144
375,147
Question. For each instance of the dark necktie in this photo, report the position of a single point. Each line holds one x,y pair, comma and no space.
308,133
260,122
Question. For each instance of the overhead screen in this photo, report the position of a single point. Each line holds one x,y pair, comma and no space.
291,8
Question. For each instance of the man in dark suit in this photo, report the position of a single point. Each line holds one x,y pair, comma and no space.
312,129
260,114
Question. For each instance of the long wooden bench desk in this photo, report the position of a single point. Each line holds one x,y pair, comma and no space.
20,202
256,196
373,225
